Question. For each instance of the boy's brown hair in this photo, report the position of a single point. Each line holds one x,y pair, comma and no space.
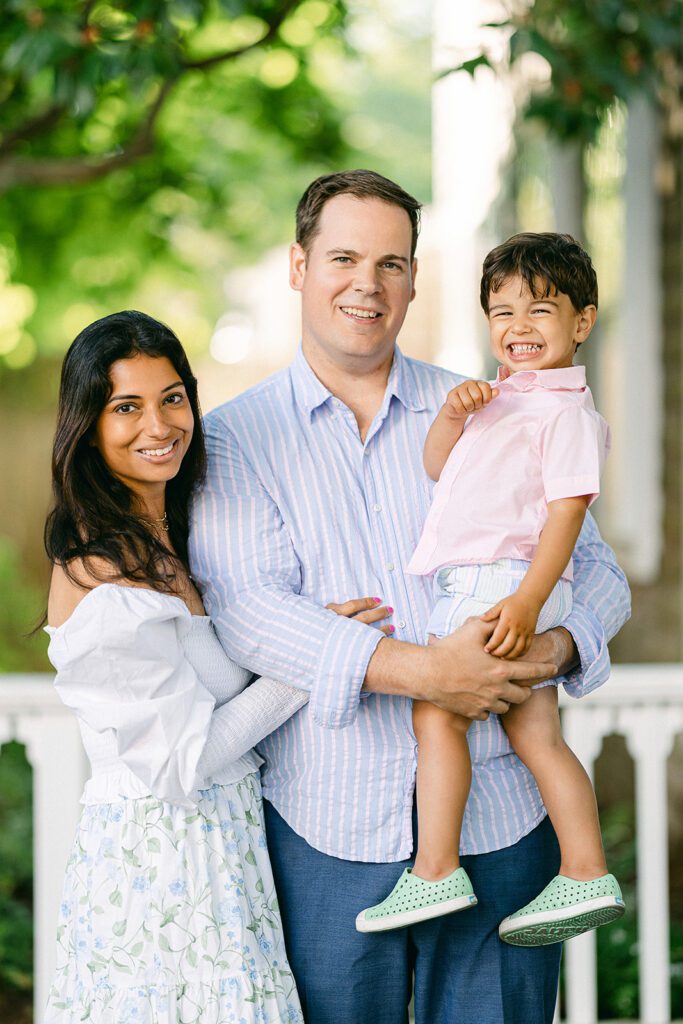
547,262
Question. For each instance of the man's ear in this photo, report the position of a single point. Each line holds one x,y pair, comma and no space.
413,271
585,324
297,266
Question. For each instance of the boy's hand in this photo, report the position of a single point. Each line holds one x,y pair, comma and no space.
517,616
468,397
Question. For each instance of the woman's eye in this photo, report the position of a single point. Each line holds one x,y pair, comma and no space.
175,399
125,407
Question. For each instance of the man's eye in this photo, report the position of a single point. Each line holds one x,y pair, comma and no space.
391,265
342,259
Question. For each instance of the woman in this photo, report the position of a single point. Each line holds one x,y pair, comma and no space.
169,911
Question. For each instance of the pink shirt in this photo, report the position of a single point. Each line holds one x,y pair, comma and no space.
539,440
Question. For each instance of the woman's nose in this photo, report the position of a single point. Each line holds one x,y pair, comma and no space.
156,424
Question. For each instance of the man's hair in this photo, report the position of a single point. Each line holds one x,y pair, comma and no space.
547,262
362,185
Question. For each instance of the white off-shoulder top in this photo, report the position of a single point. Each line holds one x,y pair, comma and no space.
162,709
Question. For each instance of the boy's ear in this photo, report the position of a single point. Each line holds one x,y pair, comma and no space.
585,323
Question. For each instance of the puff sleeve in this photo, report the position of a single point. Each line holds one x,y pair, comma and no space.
121,668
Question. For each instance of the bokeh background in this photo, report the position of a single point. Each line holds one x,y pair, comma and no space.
151,157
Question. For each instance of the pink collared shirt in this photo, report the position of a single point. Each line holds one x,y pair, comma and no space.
539,440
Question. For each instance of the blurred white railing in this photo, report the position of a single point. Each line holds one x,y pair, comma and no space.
643,703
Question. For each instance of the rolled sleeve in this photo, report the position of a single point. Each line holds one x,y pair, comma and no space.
344,660
601,606
248,570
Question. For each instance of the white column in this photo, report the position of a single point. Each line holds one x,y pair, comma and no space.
650,733
472,121
583,728
637,513
53,747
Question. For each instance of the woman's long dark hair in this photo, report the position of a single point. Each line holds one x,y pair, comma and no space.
94,514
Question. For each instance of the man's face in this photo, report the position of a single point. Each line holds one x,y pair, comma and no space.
355,283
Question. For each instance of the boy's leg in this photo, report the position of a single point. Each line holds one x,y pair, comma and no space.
534,731
341,974
444,775
464,974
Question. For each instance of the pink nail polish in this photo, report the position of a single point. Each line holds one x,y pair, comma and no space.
392,629
390,611
377,600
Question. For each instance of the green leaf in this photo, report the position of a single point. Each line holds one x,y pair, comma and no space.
249,857
153,845
116,898
119,927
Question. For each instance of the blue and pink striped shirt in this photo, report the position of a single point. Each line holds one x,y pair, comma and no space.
297,511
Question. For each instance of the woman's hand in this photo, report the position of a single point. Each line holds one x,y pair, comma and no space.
365,609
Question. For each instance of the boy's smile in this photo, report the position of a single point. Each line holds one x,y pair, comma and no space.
529,333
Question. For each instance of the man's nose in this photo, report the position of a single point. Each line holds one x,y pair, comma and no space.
366,279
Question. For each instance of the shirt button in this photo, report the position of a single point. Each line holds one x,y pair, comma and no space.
401,624
377,508
390,566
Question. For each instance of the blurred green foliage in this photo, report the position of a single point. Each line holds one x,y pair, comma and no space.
16,875
22,606
595,52
139,145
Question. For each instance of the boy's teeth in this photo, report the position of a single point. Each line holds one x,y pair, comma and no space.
157,451
519,349
366,314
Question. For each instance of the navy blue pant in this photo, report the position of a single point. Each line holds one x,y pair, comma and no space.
463,973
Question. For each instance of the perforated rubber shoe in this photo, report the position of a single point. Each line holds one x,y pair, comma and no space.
565,908
414,899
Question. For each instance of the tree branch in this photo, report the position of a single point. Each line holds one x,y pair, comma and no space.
220,58
16,171
34,126
81,170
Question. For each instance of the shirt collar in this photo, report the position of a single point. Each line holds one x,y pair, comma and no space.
310,392
566,378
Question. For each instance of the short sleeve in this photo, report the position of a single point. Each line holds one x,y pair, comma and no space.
574,446
122,669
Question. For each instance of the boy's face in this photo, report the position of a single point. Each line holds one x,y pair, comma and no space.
535,334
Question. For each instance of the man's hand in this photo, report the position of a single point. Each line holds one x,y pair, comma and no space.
456,673
556,645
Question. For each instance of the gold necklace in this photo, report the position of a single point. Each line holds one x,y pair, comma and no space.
161,524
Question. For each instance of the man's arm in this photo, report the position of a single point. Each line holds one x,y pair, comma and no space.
249,573
602,604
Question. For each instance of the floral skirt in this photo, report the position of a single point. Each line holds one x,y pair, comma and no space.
169,916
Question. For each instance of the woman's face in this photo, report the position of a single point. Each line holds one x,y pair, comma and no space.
146,426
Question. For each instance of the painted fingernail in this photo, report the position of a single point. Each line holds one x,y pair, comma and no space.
377,600
392,629
390,611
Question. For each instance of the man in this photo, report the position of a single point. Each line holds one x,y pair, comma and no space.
316,492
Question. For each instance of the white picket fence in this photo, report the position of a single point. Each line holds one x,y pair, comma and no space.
643,703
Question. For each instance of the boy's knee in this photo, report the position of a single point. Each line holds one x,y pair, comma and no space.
429,717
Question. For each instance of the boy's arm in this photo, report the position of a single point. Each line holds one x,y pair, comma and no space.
447,428
517,615
555,547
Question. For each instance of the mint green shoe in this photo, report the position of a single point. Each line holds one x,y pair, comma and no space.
565,908
414,899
